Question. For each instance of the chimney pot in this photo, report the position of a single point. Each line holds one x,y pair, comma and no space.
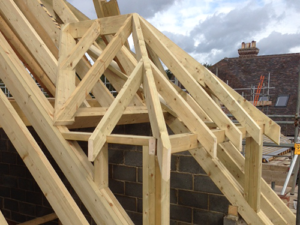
248,50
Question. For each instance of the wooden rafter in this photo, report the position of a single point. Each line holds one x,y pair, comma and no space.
198,93
68,110
114,112
2,219
100,203
144,94
38,164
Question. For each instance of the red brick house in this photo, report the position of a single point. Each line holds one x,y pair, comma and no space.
245,71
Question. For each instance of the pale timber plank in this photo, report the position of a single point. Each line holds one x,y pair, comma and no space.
271,204
114,112
2,219
110,8
188,116
101,168
63,11
157,121
272,130
224,181
152,100
179,142
40,220
222,178
183,142
99,91
194,88
34,18
109,25
98,8
149,184
200,112
253,172
40,114
29,62
88,82
77,52
100,111
38,165
32,40
233,106
51,26
128,139
65,84
158,186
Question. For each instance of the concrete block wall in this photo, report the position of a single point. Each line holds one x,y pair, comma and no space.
194,197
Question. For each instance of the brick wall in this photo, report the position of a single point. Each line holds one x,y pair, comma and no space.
194,197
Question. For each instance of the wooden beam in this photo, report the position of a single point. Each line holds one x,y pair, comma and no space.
272,130
87,83
152,99
157,121
2,219
232,105
99,91
109,25
42,15
98,8
124,56
110,8
35,17
253,172
77,52
65,84
101,168
40,220
29,62
188,116
179,142
193,87
183,142
114,112
225,182
200,112
149,183
100,111
30,37
158,194
271,204
40,114
38,165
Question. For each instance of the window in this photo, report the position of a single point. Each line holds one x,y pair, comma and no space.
263,98
282,100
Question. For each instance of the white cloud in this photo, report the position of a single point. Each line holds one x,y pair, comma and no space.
211,30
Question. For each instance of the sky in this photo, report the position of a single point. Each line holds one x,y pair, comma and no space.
211,30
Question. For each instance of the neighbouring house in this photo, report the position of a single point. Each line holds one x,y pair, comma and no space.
279,90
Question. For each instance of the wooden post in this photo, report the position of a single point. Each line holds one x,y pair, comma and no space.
253,167
101,168
158,202
149,183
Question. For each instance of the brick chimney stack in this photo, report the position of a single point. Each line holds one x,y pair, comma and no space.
248,50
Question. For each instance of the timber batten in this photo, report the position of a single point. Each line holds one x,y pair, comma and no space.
55,54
